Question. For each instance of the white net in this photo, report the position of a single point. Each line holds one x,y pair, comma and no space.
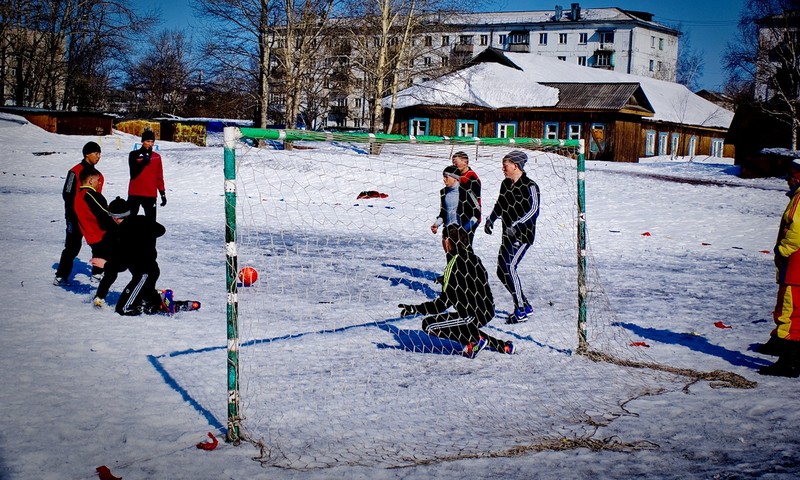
330,374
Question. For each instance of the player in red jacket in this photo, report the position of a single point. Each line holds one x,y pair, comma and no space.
147,177
94,221
72,244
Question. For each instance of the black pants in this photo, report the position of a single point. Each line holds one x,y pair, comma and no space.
140,294
72,247
511,253
462,330
147,203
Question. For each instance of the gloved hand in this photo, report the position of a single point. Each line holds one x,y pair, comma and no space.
145,153
488,227
406,309
163,199
512,232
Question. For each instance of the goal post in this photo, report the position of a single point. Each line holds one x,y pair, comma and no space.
234,135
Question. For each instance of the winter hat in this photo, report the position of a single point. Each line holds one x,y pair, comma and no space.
452,171
118,208
794,166
518,157
148,135
91,147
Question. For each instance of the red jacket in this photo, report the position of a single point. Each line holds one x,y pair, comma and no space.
92,212
71,187
147,174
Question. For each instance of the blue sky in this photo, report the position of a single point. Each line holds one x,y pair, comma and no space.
710,24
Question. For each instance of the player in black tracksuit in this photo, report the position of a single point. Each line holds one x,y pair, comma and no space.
465,288
134,250
518,207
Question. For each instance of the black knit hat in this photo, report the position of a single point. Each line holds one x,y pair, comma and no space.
148,135
452,171
518,157
118,208
91,147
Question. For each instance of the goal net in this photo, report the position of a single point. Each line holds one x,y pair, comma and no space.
322,369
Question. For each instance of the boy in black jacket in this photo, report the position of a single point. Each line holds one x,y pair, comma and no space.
134,249
518,208
465,287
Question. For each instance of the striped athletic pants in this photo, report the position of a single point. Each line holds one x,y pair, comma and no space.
511,253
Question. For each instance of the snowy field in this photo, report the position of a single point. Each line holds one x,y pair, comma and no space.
680,249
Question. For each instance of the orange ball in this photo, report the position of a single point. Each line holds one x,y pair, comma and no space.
248,276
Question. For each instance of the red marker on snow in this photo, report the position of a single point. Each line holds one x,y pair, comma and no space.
105,474
209,445
639,344
721,325
646,234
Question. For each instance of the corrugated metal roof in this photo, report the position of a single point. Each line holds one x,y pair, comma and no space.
601,96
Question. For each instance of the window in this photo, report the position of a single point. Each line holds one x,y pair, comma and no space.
574,131
428,40
597,141
583,38
562,58
652,65
662,143
445,40
542,39
465,39
717,147
484,39
582,61
673,144
661,44
606,39
551,130
466,128
507,129
692,146
357,103
426,61
502,39
445,61
652,42
520,38
418,127
650,143
562,38
659,66
603,59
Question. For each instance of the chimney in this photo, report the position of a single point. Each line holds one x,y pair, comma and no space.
559,12
575,11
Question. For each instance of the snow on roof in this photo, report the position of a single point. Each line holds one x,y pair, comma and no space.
492,85
539,16
488,85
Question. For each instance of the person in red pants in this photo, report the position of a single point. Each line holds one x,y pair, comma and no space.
785,337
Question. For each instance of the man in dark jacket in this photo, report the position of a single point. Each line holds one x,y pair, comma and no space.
518,207
72,243
147,177
465,287
134,249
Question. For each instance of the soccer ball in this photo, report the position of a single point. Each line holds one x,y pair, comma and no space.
248,276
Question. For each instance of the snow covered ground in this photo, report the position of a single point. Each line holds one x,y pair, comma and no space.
678,247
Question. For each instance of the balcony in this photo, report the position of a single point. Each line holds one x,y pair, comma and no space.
463,48
519,47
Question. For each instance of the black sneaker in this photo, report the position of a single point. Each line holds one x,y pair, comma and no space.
60,281
781,368
472,349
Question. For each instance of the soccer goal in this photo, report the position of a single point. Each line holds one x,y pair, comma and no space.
322,369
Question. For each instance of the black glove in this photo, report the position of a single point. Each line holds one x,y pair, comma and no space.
145,153
488,227
406,309
163,199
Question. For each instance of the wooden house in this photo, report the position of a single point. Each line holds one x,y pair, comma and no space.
621,117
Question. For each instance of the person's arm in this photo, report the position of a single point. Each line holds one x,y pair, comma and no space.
790,243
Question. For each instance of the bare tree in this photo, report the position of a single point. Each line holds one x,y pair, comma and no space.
764,60
238,49
386,40
690,63
162,73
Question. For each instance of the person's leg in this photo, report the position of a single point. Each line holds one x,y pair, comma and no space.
134,201
453,327
507,261
72,247
140,295
149,206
